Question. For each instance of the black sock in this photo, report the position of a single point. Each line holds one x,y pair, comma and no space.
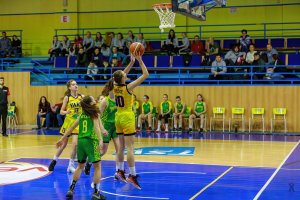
95,188
72,186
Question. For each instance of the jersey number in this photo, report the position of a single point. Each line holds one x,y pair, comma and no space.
84,126
120,101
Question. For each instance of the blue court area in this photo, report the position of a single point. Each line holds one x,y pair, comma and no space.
161,181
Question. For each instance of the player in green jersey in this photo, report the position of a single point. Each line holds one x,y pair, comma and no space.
178,114
199,112
165,112
146,114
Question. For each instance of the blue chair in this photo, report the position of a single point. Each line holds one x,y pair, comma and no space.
196,60
163,61
294,59
282,57
177,61
277,43
293,42
156,45
61,62
149,60
71,63
228,43
261,43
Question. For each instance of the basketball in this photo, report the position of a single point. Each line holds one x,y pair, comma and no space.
137,48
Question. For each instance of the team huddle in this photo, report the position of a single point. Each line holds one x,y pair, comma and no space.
93,125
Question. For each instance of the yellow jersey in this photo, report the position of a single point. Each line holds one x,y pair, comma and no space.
74,106
124,99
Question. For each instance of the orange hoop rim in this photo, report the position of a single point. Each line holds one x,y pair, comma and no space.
162,5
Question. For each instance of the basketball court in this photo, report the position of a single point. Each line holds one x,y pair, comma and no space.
170,166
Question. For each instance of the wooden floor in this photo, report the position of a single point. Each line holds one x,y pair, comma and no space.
217,152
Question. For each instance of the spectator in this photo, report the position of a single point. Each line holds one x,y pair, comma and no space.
81,61
273,72
113,41
185,43
55,49
245,41
258,66
130,37
141,39
197,46
127,48
99,40
106,70
78,40
121,57
218,69
88,44
250,54
5,45
65,45
171,43
212,47
119,42
270,52
234,56
106,51
56,110
16,46
44,111
73,50
92,71
97,58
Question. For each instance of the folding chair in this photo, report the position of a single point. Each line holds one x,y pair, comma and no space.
279,114
257,116
237,115
218,115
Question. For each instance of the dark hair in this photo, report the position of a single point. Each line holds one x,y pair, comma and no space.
2,78
121,35
98,39
90,110
117,76
41,104
218,54
131,33
244,30
68,91
109,86
3,32
146,96
169,35
256,54
200,96
178,97
166,95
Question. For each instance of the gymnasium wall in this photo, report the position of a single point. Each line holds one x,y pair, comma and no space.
39,19
27,97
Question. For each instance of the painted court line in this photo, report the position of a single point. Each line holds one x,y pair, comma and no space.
274,174
211,183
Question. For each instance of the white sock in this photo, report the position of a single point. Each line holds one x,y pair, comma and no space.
55,158
132,171
139,126
97,186
158,125
201,126
117,166
190,126
175,126
121,165
167,125
71,162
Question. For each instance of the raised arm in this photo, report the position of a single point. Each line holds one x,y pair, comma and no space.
143,77
128,68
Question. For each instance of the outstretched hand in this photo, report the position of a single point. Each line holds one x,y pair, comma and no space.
132,58
60,142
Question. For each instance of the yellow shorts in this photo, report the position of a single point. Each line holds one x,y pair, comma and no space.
67,124
125,123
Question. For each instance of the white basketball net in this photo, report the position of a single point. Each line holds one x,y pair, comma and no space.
166,16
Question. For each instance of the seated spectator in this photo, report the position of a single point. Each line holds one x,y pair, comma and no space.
171,43
199,112
44,111
73,50
197,46
212,48
106,70
165,113
130,37
55,49
119,43
245,41
113,40
127,48
5,45
92,71
146,114
121,57
16,46
235,56
250,54
65,46
258,66
274,69
270,52
178,113
106,51
88,44
99,40
115,63
185,44
141,39
81,61
78,40
97,57
218,69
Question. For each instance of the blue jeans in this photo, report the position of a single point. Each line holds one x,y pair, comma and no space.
60,119
38,119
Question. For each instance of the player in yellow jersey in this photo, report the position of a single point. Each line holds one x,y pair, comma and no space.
125,118
72,109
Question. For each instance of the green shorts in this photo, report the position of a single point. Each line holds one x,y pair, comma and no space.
88,148
111,129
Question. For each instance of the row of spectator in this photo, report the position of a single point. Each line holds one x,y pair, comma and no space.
10,47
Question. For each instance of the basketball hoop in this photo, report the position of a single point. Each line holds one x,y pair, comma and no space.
166,15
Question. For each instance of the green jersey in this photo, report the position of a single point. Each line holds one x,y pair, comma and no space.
108,115
147,107
165,106
199,107
86,127
179,106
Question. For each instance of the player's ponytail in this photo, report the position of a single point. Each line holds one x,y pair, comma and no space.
109,86
117,76
89,109
68,91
